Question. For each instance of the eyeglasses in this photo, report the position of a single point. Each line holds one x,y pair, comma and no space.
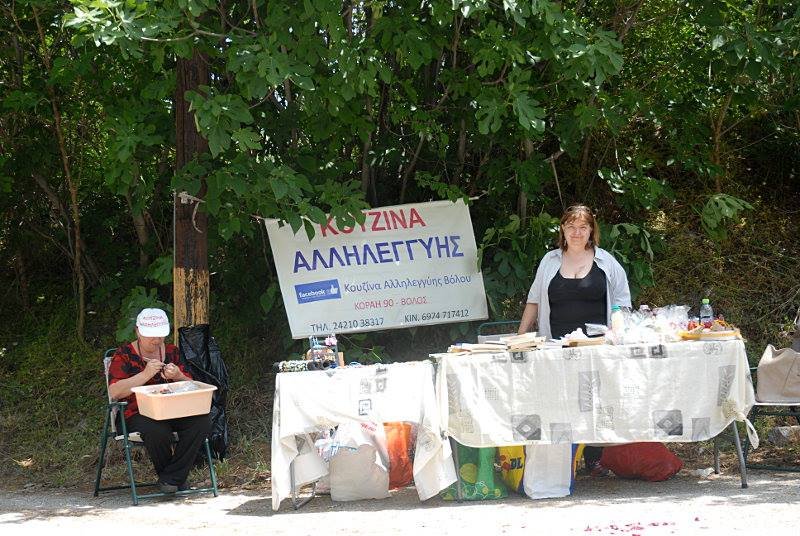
572,229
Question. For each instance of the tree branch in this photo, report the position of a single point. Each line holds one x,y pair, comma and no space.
410,168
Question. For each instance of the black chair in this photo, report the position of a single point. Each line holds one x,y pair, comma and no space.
492,331
128,440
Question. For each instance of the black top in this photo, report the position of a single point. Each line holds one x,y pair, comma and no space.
575,302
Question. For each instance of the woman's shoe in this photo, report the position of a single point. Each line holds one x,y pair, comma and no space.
167,488
595,469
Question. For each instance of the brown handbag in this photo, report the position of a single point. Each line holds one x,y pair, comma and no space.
778,378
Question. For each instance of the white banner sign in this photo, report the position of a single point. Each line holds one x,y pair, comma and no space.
406,266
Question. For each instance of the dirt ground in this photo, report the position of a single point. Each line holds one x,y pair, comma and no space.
685,504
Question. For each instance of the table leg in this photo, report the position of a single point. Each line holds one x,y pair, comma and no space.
297,503
739,454
459,491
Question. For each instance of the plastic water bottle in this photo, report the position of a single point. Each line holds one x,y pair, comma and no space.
706,313
617,320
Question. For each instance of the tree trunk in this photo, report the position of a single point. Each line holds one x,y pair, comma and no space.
190,270
21,270
410,168
462,152
80,322
90,269
366,175
716,151
142,236
522,198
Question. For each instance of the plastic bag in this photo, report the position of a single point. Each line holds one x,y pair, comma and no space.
201,355
478,477
512,466
646,461
400,440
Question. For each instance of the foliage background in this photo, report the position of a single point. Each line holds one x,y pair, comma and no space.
678,121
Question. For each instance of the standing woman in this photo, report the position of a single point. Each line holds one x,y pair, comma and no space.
574,285
147,361
577,283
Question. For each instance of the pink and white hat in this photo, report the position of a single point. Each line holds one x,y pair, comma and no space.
152,323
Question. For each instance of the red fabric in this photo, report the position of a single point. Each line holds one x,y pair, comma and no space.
126,363
646,461
399,443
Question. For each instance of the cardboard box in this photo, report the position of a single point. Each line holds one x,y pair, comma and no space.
156,404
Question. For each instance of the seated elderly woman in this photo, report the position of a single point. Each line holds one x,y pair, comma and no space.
148,361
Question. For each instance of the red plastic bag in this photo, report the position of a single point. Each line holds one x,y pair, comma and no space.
646,461
400,444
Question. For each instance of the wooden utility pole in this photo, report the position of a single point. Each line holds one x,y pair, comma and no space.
190,225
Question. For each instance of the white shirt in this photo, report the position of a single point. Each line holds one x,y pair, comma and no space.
617,290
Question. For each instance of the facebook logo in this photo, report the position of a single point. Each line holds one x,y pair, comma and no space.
318,290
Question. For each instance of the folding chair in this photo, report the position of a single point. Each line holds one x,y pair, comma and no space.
114,412
771,409
492,331
776,409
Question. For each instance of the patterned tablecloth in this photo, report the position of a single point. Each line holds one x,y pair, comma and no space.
310,401
684,391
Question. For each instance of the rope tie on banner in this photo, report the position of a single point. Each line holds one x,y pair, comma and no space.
187,198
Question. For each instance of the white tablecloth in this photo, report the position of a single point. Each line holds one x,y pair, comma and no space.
309,401
685,391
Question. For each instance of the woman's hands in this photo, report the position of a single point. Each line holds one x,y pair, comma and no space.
152,368
169,371
172,372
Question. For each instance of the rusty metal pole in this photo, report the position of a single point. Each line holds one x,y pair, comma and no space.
190,222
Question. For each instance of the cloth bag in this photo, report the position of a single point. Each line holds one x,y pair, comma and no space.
549,470
359,469
778,375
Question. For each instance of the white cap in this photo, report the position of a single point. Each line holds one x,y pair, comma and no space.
152,323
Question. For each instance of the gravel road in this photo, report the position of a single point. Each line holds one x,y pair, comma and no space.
600,506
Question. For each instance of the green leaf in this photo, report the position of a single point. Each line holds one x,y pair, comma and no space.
160,270
317,215
309,228
218,140
267,298
280,189
529,113
489,115
247,138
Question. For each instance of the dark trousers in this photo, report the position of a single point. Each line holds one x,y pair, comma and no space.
172,461
591,455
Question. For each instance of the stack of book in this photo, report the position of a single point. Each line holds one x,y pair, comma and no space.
480,348
526,341
511,343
